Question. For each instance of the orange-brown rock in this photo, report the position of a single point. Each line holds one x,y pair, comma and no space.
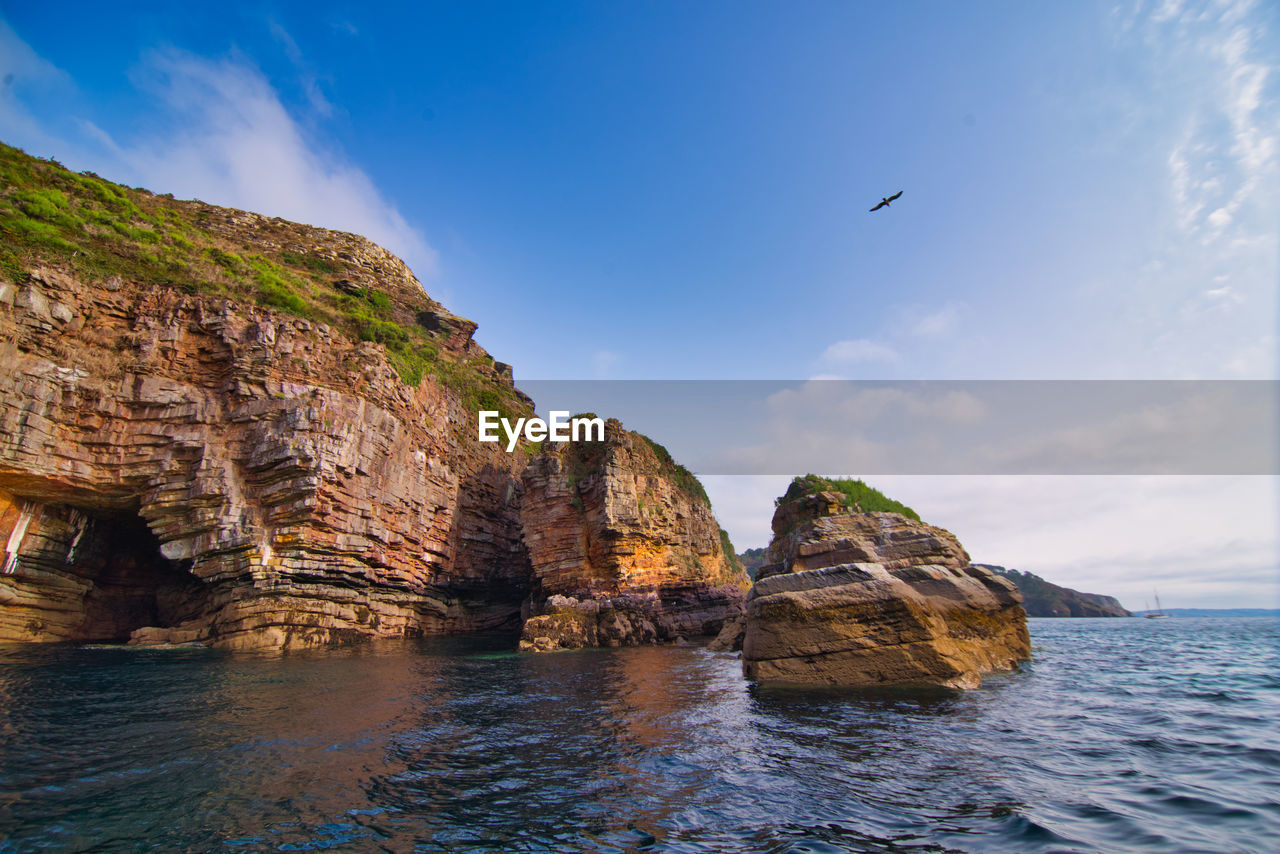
183,466
863,624
624,547
876,599
816,531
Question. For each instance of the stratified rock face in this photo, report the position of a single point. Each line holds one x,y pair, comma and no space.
876,599
624,547
814,532
863,624
207,470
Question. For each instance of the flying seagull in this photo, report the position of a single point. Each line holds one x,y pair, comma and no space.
884,203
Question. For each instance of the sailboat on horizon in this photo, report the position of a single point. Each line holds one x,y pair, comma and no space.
1158,612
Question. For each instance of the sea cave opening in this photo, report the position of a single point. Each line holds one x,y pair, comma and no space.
131,583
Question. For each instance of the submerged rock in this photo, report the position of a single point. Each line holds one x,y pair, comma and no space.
875,598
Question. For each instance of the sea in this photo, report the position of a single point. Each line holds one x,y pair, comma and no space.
1123,735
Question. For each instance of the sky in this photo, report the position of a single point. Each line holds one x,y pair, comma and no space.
680,191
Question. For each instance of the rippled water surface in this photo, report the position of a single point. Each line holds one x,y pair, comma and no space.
1124,735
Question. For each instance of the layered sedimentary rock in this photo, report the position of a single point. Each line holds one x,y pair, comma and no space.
876,599
188,467
624,547
816,530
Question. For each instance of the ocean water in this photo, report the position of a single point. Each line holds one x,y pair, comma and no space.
1123,735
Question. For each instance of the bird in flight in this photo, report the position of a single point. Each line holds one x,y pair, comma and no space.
884,203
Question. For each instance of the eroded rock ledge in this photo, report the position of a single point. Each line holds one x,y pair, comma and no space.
201,469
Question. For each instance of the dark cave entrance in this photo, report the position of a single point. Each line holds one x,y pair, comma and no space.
133,584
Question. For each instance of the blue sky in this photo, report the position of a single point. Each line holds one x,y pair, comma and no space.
680,190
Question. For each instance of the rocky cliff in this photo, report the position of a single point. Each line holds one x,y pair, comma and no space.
874,598
1044,599
221,427
224,428
624,547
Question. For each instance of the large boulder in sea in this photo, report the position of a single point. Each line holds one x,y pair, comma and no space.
624,547
856,595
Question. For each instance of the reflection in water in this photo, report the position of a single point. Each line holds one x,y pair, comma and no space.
1122,736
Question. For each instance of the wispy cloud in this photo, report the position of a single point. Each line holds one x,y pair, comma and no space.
937,324
307,77
857,351
219,132
1227,152
1208,100
603,363
24,74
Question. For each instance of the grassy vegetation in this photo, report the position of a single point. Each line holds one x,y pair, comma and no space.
730,556
78,221
680,475
854,495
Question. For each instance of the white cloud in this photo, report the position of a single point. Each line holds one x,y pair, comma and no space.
307,78
603,362
849,424
1209,169
938,324
25,74
1206,93
221,133
857,351
231,141
1223,294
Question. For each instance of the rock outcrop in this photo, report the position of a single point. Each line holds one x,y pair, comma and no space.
213,454
815,531
624,547
1042,598
876,599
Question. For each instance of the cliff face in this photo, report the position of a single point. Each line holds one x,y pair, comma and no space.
875,599
624,547
1044,599
215,455
224,428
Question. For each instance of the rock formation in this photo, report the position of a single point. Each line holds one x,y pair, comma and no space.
624,547
212,453
224,428
875,598
1042,598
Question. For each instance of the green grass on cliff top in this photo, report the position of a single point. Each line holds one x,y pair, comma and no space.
98,229
854,495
